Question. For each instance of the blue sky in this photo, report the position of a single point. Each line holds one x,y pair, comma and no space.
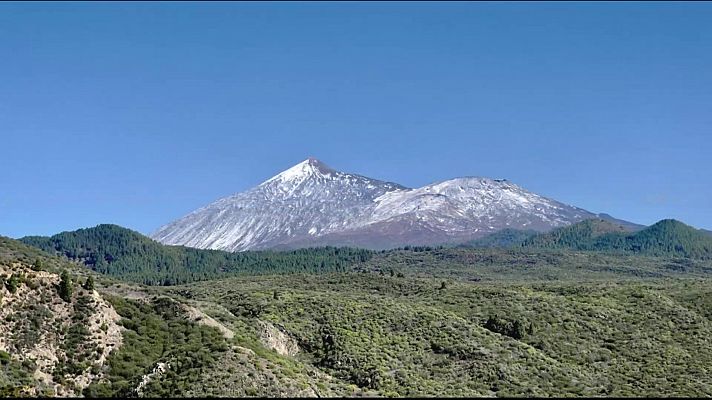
137,114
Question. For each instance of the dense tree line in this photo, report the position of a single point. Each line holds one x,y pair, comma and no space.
503,238
665,238
120,252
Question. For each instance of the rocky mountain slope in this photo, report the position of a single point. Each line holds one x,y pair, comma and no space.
50,344
123,340
312,204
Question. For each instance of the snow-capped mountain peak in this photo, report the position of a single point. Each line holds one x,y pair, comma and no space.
311,204
309,168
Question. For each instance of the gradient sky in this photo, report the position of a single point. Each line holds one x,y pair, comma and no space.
136,114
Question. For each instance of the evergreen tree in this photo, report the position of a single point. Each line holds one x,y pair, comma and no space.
530,329
65,286
517,331
89,284
13,283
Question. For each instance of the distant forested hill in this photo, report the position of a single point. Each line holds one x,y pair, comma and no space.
579,236
121,252
126,254
504,238
665,238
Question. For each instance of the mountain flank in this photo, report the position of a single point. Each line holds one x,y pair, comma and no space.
56,332
312,204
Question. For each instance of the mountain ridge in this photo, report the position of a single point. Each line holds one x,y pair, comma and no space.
311,204
120,252
665,237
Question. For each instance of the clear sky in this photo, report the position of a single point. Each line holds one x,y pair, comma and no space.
136,114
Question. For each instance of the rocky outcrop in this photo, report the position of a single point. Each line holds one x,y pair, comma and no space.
42,330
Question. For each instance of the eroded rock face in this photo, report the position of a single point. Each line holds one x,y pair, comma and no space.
157,371
40,328
198,316
276,339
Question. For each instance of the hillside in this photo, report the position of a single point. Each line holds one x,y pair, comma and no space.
405,336
665,238
627,225
532,265
504,238
120,252
120,340
579,236
129,256
52,341
12,250
410,322
670,237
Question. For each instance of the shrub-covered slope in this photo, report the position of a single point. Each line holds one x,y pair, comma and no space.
400,336
517,322
55,332
123,340
532,264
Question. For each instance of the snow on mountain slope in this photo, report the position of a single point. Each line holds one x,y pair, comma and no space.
311,204
307,199
465,204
